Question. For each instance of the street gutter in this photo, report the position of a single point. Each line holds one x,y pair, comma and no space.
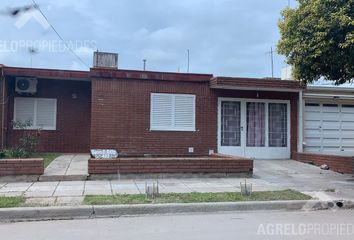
104,211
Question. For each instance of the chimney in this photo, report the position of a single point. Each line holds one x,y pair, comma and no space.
105,60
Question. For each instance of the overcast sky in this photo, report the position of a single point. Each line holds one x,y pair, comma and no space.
225,37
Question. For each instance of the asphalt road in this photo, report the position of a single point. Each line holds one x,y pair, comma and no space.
237,225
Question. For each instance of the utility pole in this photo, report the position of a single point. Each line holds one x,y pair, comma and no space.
272,61
32,51
187,60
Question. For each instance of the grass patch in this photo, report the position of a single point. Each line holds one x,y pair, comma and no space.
9,202
194,197
47,157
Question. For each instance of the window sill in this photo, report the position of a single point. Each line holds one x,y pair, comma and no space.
35,129
172,130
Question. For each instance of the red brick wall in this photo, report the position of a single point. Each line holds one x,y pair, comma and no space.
31,166
121,112
72,132
177,165
293,97
341,164
121,118
127,103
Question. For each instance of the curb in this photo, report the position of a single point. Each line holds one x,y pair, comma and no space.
84,212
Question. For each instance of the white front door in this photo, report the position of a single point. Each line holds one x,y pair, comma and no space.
254,128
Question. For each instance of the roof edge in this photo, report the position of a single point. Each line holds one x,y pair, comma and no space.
148,75
330,88
252,79
46,73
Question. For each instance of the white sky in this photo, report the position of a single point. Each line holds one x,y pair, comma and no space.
225,37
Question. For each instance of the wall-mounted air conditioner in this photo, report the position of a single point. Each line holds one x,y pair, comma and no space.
26,85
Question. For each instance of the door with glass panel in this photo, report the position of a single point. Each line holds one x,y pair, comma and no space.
231,128
254,128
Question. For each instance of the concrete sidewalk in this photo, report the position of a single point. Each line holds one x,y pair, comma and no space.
72,192
67,167
306,178
268,175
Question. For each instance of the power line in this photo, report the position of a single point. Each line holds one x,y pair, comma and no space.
59,36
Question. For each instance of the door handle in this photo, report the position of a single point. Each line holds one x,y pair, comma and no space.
241,128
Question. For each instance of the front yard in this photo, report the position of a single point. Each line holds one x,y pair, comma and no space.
24,164
47,157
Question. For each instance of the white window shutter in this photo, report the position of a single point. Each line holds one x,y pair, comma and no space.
24,110
46,113
174,112
40,111
185,112
161,111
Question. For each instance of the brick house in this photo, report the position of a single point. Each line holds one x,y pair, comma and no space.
152,113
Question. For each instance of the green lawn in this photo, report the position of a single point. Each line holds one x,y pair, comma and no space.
194,197
47,157
8,202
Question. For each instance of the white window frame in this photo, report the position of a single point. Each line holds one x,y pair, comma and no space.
34,123
265,152
172,127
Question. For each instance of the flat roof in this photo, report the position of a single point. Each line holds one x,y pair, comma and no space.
104,73
46,73
261,84
148,75
329,88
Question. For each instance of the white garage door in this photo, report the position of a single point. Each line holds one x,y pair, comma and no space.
329,128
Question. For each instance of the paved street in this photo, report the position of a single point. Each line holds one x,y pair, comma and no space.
246,225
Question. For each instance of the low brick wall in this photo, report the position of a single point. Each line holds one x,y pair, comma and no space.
29,166
143,165
341,164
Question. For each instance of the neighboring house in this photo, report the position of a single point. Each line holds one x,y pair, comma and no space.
327,117
152,113
58,102
329,120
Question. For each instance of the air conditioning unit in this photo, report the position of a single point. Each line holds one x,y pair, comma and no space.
26,85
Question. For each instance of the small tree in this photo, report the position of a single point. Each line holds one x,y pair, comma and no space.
28,142
317,38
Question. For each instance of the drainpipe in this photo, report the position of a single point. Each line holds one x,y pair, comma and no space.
300,123
2,77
